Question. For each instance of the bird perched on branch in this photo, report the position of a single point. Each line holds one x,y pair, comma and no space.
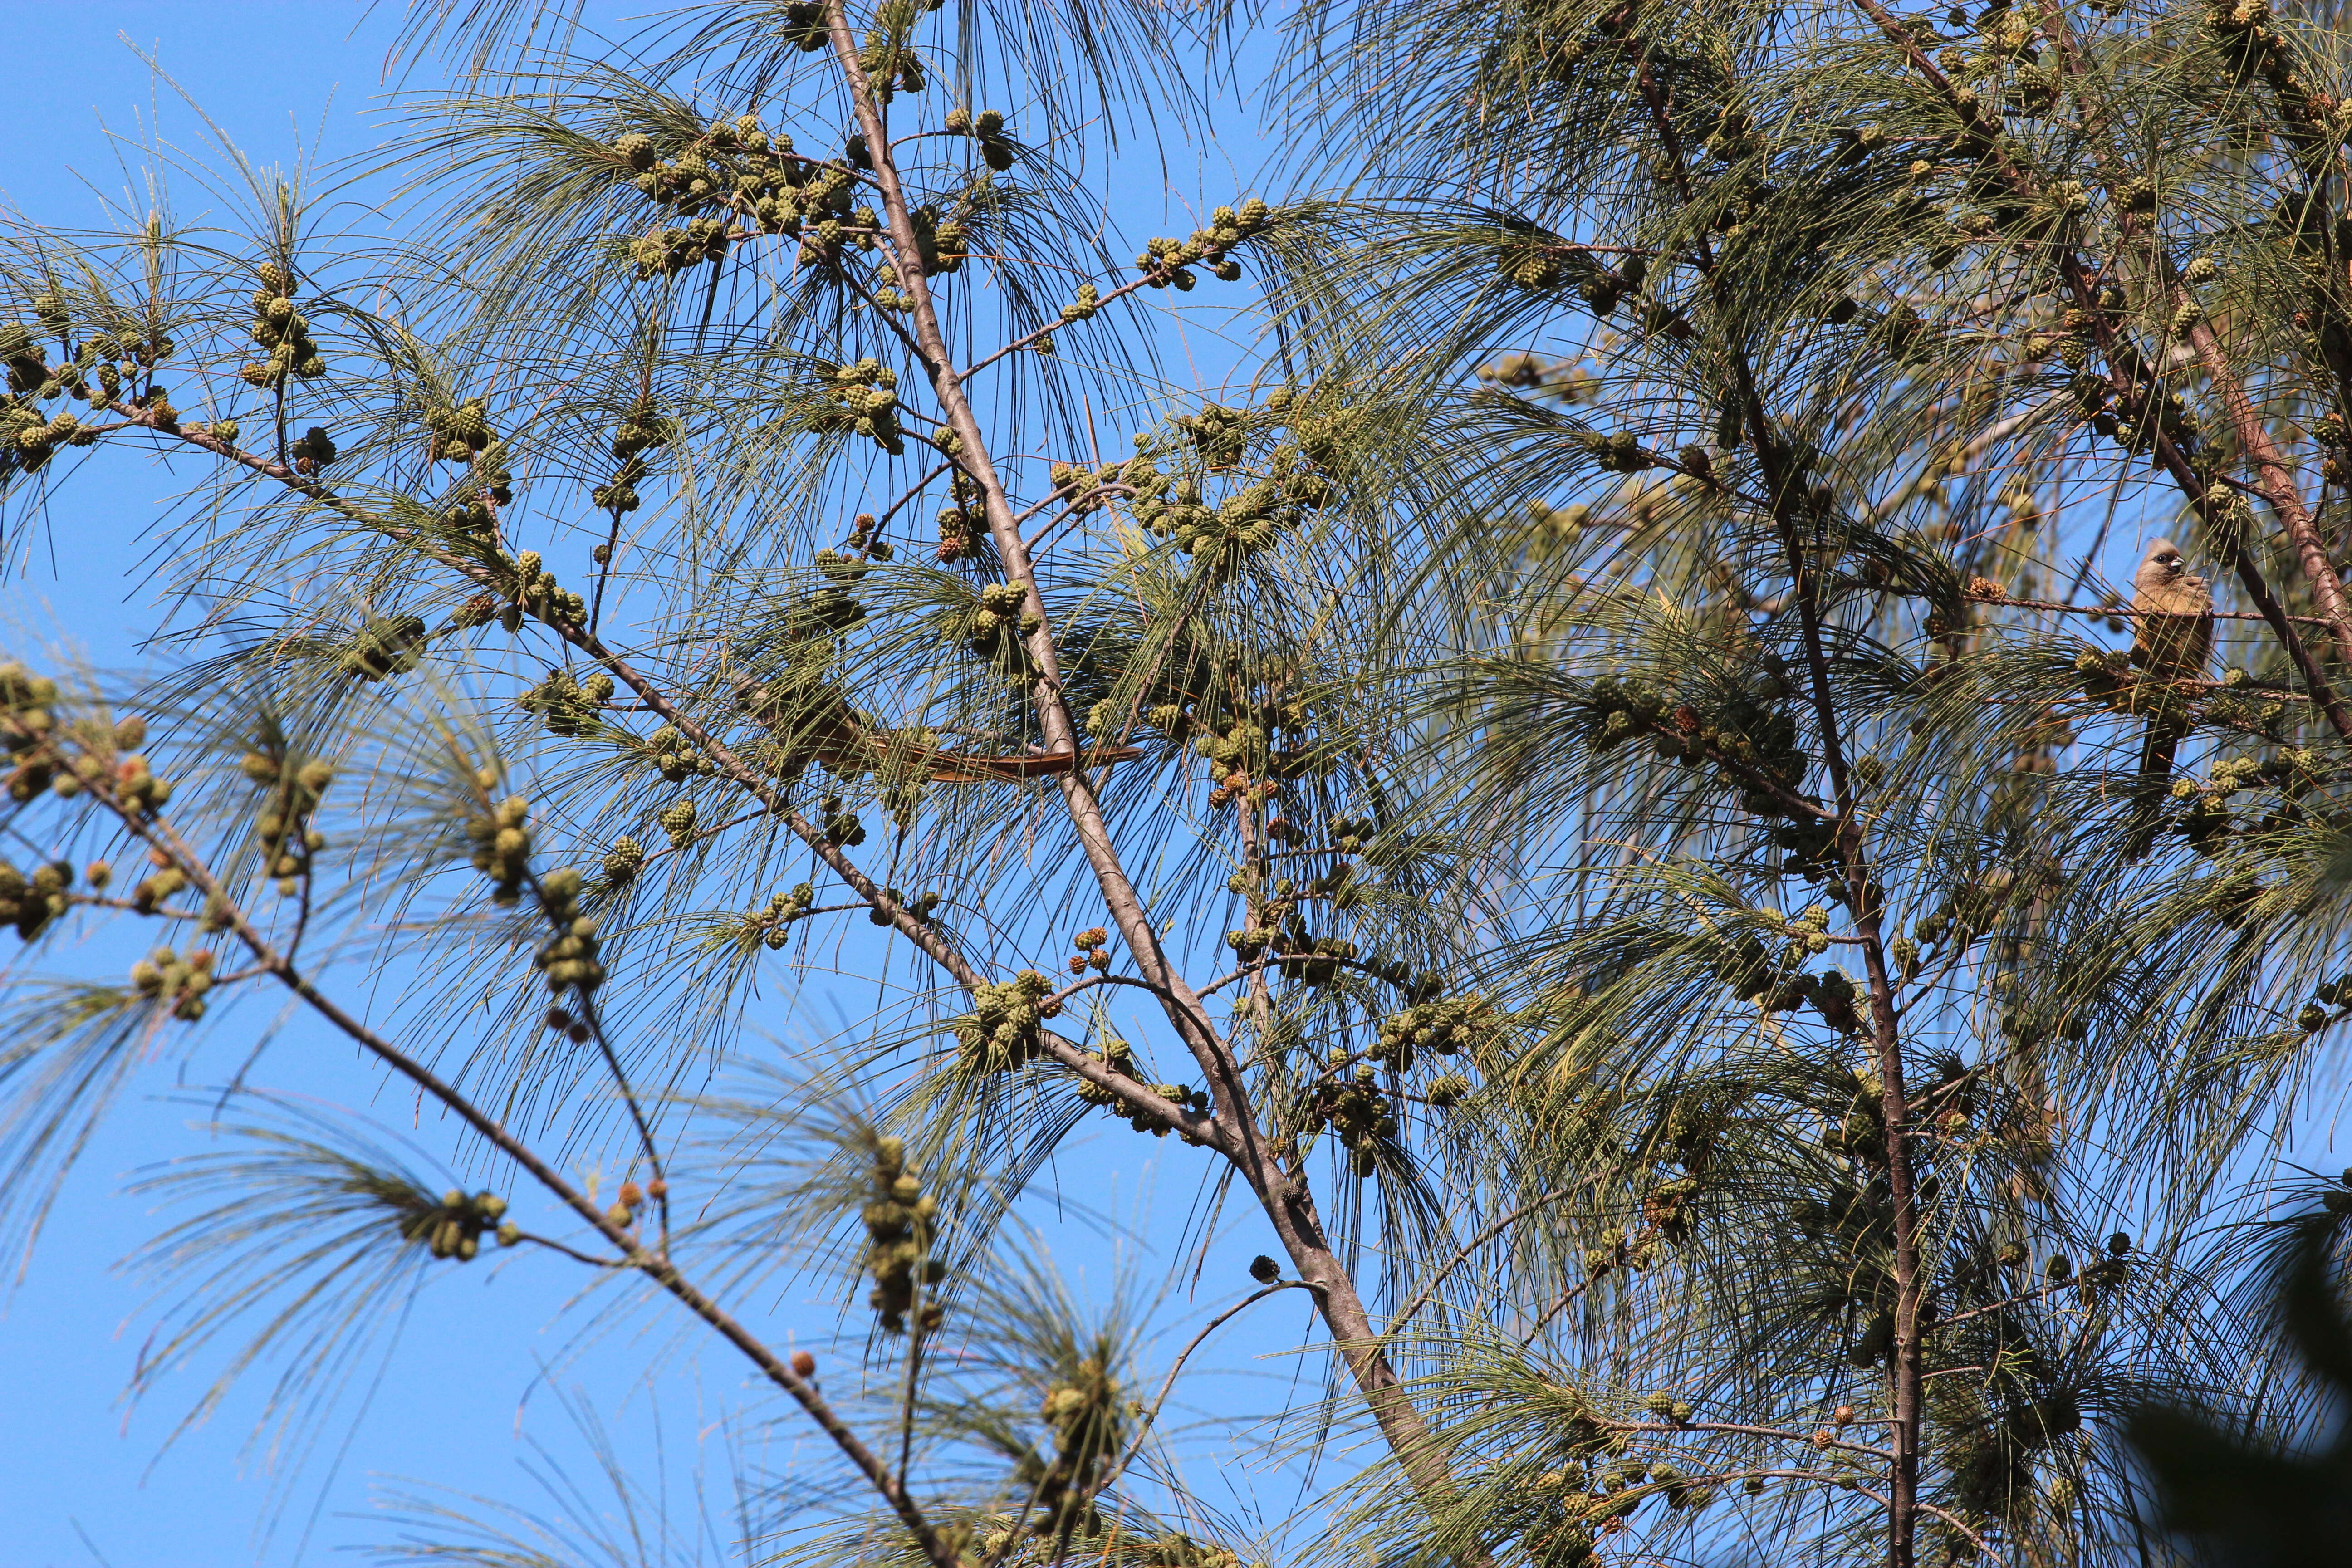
2173,617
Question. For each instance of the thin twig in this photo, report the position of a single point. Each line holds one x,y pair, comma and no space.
1475,1242
574,1253
1143,1425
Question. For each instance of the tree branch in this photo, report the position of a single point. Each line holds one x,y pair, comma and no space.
158,835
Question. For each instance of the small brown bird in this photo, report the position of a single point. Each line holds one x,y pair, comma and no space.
2173,641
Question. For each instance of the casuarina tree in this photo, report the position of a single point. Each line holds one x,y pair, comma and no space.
739,532
1609,791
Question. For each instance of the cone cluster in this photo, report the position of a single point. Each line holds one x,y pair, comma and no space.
31,903
454,1226
1001,1031
280,331
166,976
899,1219
1168,261
864,403
502,848
1357,1114
282,824
1444,1026
570,960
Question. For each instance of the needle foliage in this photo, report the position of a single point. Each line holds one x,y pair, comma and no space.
1589,790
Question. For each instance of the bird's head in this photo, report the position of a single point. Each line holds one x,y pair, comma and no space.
2162,563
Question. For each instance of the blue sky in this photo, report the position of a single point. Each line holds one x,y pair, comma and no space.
80,1476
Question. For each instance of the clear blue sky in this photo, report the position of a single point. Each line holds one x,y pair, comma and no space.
486,1360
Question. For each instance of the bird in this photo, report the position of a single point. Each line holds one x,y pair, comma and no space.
2173,616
